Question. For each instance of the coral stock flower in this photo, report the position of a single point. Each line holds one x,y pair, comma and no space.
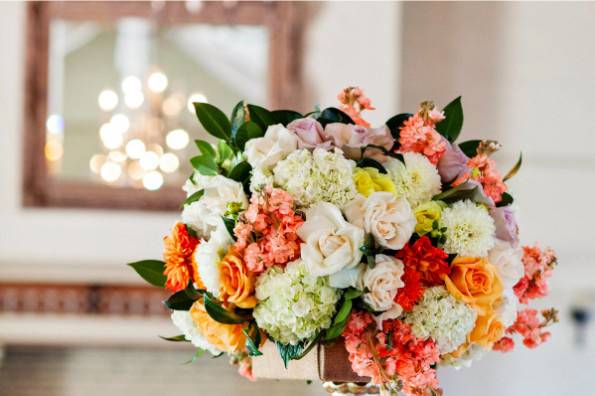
428,260
476,282
418,135
227,338
504,344
180,266
237,282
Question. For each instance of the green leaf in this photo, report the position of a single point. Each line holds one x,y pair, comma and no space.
289,352
506,200
224,151
352,294
514,169
310,346
331,115
285,116
394,124
252,339
205,148
238,116
246,131
199,352
180,301
213,120
261,116
193,197
240,172
178,338
204,165
461,192
230,224
371,163
469,148
222,315
151,271
452,124
344,311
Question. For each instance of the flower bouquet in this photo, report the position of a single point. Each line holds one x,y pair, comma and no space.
395,243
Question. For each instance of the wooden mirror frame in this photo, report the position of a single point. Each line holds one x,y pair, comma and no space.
285,88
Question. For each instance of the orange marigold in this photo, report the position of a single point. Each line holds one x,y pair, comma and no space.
180,266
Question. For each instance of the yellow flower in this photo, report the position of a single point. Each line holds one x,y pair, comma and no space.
369,180
426,215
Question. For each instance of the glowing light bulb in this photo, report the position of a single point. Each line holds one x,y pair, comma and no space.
110,137
135,171
134,100
107,100
196,97
135,148
55,124
131,84
173,105
120,122
177,139
149,160
116,156
169,163
95,163
153,180
110,172
157,82
53,150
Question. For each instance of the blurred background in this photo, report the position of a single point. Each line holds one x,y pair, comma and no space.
96,134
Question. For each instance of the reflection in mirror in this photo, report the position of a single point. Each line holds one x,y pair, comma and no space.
119,99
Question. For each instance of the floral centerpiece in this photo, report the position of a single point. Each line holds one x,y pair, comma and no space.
396,240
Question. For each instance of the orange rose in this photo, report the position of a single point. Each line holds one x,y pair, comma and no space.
474,281
488,329
227,338
237,282
180,266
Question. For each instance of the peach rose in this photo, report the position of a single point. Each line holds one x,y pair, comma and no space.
237,282
488,329
227,338
474,281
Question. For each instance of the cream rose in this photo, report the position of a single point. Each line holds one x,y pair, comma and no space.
382,282
331,243
508,262
205,214
388,218
276,144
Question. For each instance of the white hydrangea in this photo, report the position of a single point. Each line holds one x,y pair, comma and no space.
469,229
293,305
208,255
183,321
259,179
417,179
312,177
440,316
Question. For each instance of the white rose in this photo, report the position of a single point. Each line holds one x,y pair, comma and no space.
205,214
208,255
275,145
388,218
382,282
508,261
331,243
347,277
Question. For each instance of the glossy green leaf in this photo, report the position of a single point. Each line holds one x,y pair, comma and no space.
230,224
248,130
205,148
394,124
193,197
180,301
240,172
213,120
204,165
331,115
151,271
285,116
506,200
461,192
469,148
371,163
199,352
452,124
514,169
253,339
238,117
351,294
289,352
261,116
222,315
178,338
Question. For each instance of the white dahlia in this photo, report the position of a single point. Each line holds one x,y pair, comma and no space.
293,305
469,229
417,179
183,321
312,177
440,316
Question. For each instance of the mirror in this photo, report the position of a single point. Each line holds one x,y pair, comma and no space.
112,88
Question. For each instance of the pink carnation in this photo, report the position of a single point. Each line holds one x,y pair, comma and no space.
266,233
